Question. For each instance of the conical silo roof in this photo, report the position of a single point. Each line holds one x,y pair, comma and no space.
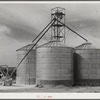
52,44
27,47
86,45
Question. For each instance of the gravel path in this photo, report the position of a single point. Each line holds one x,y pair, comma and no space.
58,89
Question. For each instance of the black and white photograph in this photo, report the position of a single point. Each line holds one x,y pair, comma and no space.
50,47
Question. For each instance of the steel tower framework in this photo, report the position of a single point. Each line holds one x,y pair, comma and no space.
58,29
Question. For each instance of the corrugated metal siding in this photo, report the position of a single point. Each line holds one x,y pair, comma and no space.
26,72
87,66
54,65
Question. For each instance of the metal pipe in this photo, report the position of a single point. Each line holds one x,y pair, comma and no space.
73,31
42,31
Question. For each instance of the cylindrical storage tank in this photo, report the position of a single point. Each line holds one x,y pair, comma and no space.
54,65
87,65
26,72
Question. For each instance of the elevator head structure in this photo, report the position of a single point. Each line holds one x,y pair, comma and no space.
58,29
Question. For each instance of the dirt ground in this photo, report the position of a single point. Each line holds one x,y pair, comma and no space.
58,89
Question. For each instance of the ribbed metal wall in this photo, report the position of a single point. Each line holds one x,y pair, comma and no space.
87,66
54,66
26,72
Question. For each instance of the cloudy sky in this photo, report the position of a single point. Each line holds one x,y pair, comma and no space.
20,23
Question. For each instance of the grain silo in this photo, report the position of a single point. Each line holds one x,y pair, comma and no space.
26,72
87,65
54,64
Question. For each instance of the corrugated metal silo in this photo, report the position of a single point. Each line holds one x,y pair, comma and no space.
54,64
26,72
87,65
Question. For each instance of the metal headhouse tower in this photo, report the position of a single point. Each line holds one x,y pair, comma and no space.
58,29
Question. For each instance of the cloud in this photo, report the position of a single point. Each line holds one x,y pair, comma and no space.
4,30
20,33
20,24
17,29
86,27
